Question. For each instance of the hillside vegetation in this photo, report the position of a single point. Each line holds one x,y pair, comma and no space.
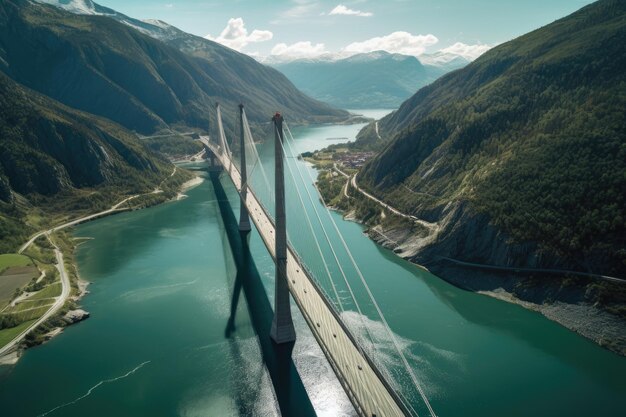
55,160
102,66
531,135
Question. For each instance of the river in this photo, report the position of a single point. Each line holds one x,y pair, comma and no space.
172,332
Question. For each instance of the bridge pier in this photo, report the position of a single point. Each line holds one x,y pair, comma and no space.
282,325
214,164
244,218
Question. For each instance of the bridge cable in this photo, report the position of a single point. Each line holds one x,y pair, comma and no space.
229,154
405,401
345,278
222,135
319,249
249,141
256,157
380,313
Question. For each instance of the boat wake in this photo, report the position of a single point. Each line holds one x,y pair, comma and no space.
145,293
92,389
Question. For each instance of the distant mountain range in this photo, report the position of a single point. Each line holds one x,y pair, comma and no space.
520,156
371,80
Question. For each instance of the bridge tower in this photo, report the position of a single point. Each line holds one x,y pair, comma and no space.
244,219
282,326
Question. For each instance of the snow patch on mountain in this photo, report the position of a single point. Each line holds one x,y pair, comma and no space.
157,29
87,7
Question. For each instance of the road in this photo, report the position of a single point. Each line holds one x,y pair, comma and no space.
59,302
434,226
65,282
189,158
352,181
345,186
114,208
166,135
418,192
540,270
76,221
428,225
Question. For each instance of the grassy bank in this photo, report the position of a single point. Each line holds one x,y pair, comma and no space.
27,302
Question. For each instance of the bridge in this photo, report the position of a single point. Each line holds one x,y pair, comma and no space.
367,385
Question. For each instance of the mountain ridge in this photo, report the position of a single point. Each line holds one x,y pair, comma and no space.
55,160
138,81
512,136
377,79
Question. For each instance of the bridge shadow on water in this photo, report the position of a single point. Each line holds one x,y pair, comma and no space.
290,393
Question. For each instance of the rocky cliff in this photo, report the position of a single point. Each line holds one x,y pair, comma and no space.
516,161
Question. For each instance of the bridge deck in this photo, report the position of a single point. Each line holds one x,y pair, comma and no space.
364,384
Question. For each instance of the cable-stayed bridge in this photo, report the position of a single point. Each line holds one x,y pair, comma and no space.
323,288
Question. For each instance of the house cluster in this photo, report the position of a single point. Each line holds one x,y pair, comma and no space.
353,159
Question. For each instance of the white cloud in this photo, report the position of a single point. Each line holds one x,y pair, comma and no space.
343,10
396,42
169,6
301,9
235,35
298,50
469,52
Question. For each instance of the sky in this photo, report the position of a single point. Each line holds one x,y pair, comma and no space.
308,28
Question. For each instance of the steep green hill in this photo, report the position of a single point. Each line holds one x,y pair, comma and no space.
376,79
99,65
55,160
520,156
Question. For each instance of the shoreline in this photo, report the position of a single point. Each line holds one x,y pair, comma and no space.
584,319
188,185
77,314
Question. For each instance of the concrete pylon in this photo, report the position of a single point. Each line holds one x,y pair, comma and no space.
244,218
282,326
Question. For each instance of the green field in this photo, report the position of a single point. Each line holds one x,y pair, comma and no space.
13,259
9,283
28,305
6,335
15,271
52,290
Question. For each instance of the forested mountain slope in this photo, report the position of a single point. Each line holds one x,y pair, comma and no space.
97,64
51,152
520,156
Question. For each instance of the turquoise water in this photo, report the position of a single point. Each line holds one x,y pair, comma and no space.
177,329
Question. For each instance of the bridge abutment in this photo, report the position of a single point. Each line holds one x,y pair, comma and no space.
282,325
213,162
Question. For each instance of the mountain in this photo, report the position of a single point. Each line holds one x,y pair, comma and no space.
95,63
51,152
520,157
154,28
48,147
445,61
376,79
